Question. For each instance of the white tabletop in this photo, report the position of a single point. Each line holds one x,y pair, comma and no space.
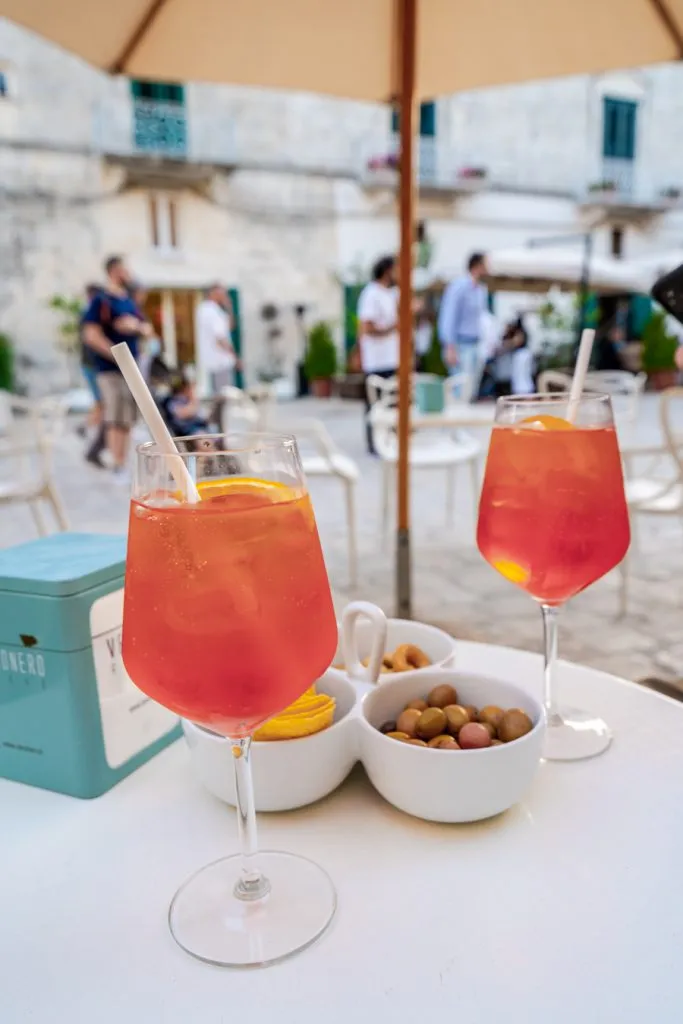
567,908
455,414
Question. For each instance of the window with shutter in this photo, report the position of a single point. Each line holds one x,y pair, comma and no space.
619,128
427,120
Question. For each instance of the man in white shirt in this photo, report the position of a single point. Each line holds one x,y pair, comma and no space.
378,327
213,321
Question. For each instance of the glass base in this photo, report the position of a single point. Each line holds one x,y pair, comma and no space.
210,923
573,735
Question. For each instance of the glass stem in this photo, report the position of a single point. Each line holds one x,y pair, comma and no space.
550,615
251,885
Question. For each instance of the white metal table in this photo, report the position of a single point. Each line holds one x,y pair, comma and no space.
567,908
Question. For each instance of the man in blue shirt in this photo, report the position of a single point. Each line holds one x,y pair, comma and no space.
460,315
112,317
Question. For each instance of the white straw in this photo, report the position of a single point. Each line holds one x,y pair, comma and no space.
154,420
582,361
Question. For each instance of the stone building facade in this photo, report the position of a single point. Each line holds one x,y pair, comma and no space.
283,197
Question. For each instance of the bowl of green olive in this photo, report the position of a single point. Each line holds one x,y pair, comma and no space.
451,746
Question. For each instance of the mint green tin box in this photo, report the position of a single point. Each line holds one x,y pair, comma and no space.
429,394
70,718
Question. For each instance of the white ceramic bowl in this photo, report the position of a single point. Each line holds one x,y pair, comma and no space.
448,785
287,773
366,633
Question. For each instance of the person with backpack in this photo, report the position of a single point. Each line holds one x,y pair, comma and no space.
112,317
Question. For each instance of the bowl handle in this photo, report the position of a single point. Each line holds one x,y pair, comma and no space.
354,667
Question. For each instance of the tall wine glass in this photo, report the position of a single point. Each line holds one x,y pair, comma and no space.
553,519
228,618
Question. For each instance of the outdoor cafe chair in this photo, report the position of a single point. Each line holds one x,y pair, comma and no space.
239,414
26,449
660,495
430,448
321,457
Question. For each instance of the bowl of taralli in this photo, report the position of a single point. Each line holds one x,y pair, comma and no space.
373,648
298,757
449,746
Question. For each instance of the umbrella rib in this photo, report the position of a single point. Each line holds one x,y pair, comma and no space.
141,30
669,22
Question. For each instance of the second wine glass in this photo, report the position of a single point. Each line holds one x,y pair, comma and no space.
553,519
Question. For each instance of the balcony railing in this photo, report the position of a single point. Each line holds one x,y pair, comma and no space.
139,130
618,187
159,128
435,167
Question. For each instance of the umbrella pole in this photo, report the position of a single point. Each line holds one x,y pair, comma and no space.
407,28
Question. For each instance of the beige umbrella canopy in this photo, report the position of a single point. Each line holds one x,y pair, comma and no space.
350,48
381,50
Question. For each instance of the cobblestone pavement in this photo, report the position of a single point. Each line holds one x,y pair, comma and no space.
452,586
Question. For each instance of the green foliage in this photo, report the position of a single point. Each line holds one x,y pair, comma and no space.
70,321
321,356
6,364
433,360
659,347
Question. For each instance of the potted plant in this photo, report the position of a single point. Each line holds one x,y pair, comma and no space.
321,359
659,351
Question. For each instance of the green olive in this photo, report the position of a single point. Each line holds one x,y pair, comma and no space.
431,722
407,721
492,715
514,724
442,695
456,717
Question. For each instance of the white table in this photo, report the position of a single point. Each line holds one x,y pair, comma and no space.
454,416
574,899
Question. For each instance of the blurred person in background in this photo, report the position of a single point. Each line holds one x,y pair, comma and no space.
182,409
514,362
112,318
609,344
424,332
378,329
459,324
94,421
214,321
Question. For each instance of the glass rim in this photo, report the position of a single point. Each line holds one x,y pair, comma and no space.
555,396
252,441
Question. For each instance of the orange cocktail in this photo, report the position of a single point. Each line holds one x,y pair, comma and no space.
228,615
553,518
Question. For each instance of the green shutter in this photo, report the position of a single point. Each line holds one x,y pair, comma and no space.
236,333
161,92
640,312
428,120
619,128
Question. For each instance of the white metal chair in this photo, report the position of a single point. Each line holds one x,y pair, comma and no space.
26,474
625,389
429,449
657,495
552,381
321,457
239,413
